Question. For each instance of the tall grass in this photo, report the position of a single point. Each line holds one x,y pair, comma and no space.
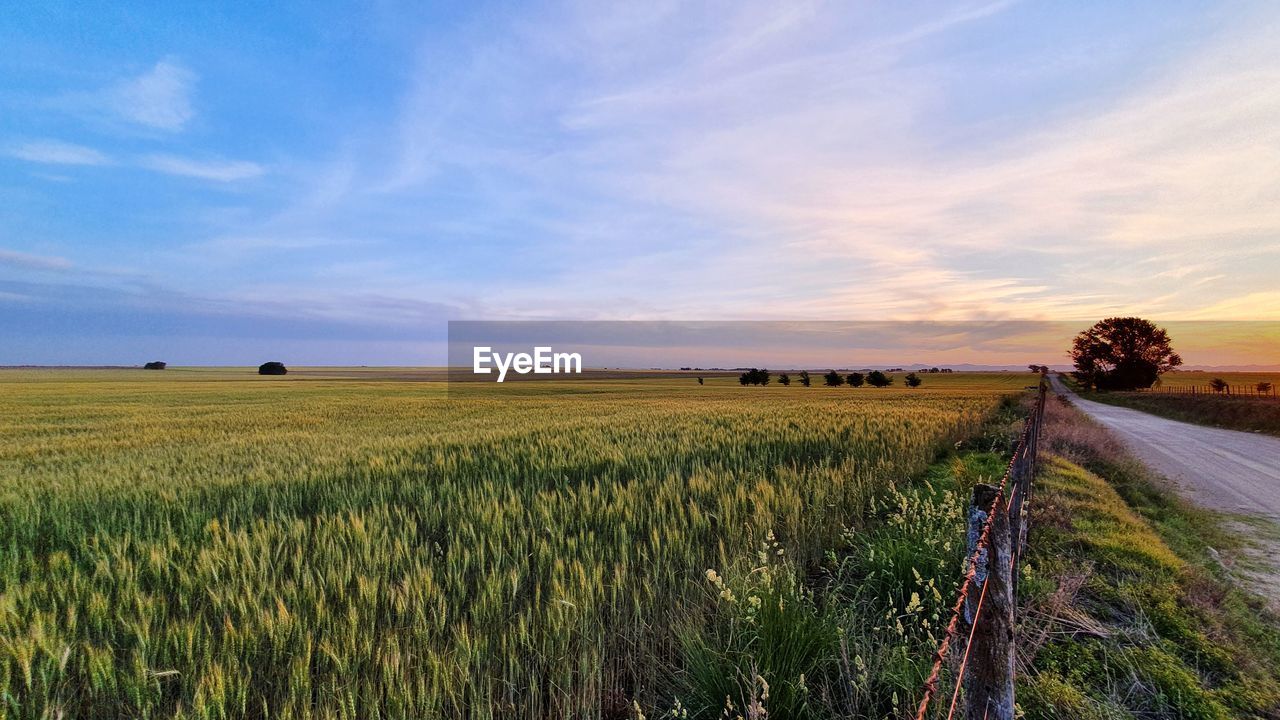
212,548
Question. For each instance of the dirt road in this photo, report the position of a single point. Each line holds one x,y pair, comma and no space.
1224,470
1227,470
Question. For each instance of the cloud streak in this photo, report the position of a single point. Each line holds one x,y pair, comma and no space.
216,170
54,152
13,258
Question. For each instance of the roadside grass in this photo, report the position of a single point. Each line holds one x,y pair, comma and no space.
1128,611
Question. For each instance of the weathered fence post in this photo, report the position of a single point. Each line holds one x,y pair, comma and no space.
988,679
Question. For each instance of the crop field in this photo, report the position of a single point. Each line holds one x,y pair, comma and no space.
1201,379
212,544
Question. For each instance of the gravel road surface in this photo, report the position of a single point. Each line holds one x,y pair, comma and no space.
1227,470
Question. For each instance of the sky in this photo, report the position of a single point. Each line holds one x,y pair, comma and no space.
329,183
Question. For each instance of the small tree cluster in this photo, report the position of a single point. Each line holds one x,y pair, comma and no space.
272,368
155,365
831,378
876,378
1042,369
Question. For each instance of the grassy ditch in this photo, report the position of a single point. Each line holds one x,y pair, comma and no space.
1127,611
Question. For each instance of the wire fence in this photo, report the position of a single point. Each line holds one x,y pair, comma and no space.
983,615
1265,390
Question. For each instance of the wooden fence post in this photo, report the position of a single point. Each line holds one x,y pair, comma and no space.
989,608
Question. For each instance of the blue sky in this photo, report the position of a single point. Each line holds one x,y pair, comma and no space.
329,183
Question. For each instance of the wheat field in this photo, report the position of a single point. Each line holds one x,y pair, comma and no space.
211,544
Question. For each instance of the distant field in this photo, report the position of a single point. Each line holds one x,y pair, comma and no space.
405,374
344,542
1202,379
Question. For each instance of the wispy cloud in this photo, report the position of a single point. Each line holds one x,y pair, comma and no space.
819,177
13,258
159,98
218,170
55,152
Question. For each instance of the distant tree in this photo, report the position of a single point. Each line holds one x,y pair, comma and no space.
1218,385
155,365
784,379
754,376
1042,369
856,379
833,379
699,381
912,380
878,379
1264,388
804,378
1122,354
934,370
272,368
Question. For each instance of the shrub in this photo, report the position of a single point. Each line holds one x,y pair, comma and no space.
155,365
857,379
804,378
912,380
784,379
833,379
272,368
1218,385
